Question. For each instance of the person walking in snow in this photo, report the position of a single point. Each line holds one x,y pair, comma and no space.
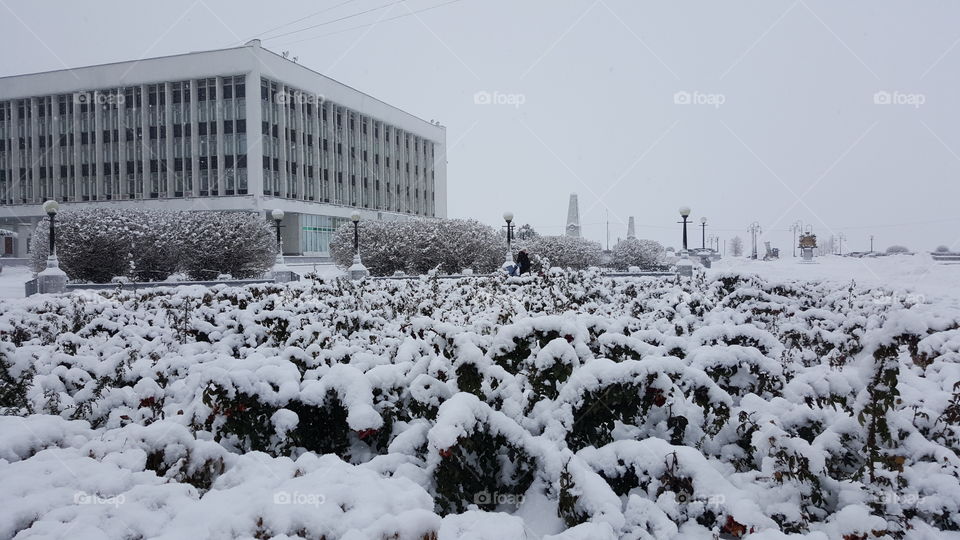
523,263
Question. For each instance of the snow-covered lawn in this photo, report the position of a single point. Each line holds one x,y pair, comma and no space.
733,404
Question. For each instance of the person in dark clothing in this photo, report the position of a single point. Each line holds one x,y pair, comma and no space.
523,263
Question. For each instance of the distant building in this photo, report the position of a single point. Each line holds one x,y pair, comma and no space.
230,129
573,217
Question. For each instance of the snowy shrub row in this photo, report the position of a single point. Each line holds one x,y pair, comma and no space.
96,245
418,246
645,254
562,251
592,407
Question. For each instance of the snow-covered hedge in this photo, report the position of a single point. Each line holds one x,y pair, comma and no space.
420,245
149,245
563,252
645,254
569,404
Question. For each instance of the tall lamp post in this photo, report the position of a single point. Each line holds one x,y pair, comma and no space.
684,213
508,217
753,229
357,270
52,279
797,226
703,239
277,216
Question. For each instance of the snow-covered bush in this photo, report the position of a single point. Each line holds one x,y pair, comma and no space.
618,407
150,245
646,254
563,251
420,245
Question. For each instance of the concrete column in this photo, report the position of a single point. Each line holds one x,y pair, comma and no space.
55,149
33,191
254,137
24,232
122,143
167,170
145,141
283,136
74,181
194,140
220,171
301,154
317,151
96,192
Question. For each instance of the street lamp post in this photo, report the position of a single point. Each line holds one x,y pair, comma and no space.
684,265
753,229
508,217
684,213
797,226
281,273
52,279
703,227
357,270
277,216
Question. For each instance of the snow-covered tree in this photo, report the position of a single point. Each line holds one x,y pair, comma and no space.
637,252
897,250
563,251
420,245
526,232
736,246
149,245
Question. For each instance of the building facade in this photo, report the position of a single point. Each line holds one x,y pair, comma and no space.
239,129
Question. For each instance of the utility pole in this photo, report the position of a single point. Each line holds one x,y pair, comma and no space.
840,238
753,229
871,243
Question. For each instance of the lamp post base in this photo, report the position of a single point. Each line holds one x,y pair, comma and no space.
52,280
357,270
685,265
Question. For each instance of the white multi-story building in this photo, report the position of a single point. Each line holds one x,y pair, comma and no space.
231,129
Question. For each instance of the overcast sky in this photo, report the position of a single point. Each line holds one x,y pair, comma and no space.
777,117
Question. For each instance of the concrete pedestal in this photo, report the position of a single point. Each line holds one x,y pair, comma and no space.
357,270
52,280
685,265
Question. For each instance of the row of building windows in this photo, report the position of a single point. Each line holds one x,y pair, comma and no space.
190,138
314,149
52,146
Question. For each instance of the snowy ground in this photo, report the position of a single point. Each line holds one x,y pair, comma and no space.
910,273
12,278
